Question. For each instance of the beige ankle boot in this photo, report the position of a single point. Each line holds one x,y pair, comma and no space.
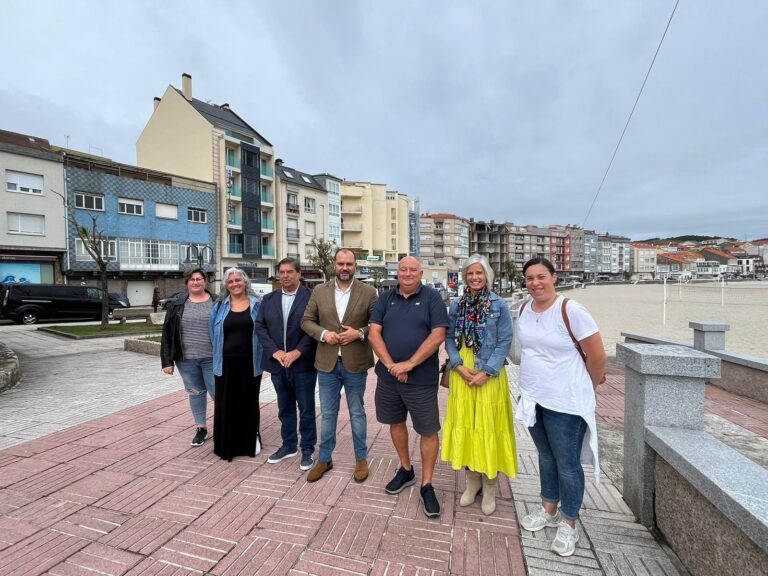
489,496
474,484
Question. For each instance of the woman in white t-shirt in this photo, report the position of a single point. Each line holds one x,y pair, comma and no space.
557,400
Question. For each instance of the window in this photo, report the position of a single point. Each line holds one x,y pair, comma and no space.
26,224
88,201
288,173
309,229
250,159
309,205
334,209
252,244
130,206
333,187
24,183
197,215
306,179
138,253
107,248
168,211
293,250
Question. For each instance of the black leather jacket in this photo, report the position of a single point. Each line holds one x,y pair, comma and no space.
170,344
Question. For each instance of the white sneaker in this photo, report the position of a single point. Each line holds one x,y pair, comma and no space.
258,444
564,543
539,520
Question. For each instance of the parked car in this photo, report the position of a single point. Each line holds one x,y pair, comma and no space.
117,300
28,303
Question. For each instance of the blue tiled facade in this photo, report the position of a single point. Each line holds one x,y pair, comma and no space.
145,227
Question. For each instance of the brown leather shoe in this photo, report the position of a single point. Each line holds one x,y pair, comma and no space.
361,470
318,470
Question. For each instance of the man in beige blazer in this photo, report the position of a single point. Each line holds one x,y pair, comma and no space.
337,317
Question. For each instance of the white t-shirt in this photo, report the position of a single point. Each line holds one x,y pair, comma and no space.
552,372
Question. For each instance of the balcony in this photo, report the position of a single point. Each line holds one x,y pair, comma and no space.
351,227
235,192
353,209
292,208
267,224
267,197
235,248
232,159
267,251
347,244
292,234
266,171
235,220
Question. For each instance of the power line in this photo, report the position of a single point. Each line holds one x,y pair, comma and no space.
629,118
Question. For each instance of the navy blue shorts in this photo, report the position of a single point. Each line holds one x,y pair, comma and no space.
395,401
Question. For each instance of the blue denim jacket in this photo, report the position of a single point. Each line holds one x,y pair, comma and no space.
498,337
216,328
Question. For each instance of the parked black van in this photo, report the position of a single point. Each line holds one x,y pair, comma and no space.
28,303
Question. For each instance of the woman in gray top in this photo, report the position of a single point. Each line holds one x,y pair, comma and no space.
186,343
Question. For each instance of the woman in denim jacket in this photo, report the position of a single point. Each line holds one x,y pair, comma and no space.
478,431
237,369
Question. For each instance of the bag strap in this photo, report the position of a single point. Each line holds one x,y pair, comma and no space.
570,333
520,310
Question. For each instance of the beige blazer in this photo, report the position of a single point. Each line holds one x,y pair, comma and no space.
320,314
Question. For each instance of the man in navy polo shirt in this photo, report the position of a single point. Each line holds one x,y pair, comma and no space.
407,327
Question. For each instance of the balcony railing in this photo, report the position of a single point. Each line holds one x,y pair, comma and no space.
267,197
347,209
292,234
235,191
267,223
233,160
235,220
268,251
352,227
292,208
235,248
267,171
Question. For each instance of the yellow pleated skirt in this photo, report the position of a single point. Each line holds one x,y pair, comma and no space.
478,431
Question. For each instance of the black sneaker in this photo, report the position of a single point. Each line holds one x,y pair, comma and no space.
401,481
200,437
429,501
281,454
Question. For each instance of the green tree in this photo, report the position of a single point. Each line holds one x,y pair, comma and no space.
322,255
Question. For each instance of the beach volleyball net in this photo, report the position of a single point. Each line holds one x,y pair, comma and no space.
732,294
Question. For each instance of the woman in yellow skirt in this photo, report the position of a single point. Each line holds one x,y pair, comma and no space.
478,433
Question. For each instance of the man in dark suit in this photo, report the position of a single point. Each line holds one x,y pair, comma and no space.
337,317
289,356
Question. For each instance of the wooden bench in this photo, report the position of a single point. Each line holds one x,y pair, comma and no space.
124,314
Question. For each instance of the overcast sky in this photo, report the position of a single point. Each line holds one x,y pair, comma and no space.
507,110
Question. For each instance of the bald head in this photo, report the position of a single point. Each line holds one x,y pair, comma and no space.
409,275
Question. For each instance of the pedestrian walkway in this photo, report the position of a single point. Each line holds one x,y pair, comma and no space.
123,492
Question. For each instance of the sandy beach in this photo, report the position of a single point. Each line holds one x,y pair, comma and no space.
638,308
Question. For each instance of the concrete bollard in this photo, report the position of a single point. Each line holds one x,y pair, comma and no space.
709,335
664,386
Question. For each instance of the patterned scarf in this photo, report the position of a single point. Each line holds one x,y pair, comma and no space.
472,312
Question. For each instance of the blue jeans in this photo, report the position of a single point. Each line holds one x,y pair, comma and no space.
296,389
330,399
558,438
197,375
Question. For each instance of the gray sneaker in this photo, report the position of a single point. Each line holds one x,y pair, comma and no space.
306,462
564,543
539,519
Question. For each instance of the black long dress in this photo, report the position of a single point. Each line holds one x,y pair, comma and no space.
236,415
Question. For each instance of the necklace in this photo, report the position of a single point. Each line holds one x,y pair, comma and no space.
537,314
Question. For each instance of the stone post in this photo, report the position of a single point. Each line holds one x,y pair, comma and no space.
664,386
709,335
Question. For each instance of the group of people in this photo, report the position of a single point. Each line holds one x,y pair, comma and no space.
327,338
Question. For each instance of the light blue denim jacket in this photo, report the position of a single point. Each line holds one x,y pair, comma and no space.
498,337
216,329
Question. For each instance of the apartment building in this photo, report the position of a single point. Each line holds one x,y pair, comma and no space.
590,254
210,142
154,224
33,238
613,255
491,239
374,225
643,261
332,185
444,247
302,218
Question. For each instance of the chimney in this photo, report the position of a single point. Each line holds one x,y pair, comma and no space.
279,162
186,86
225,106
157,102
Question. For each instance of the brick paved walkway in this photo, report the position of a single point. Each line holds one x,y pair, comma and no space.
126,494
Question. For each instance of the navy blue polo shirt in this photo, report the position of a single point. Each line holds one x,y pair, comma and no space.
405,324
